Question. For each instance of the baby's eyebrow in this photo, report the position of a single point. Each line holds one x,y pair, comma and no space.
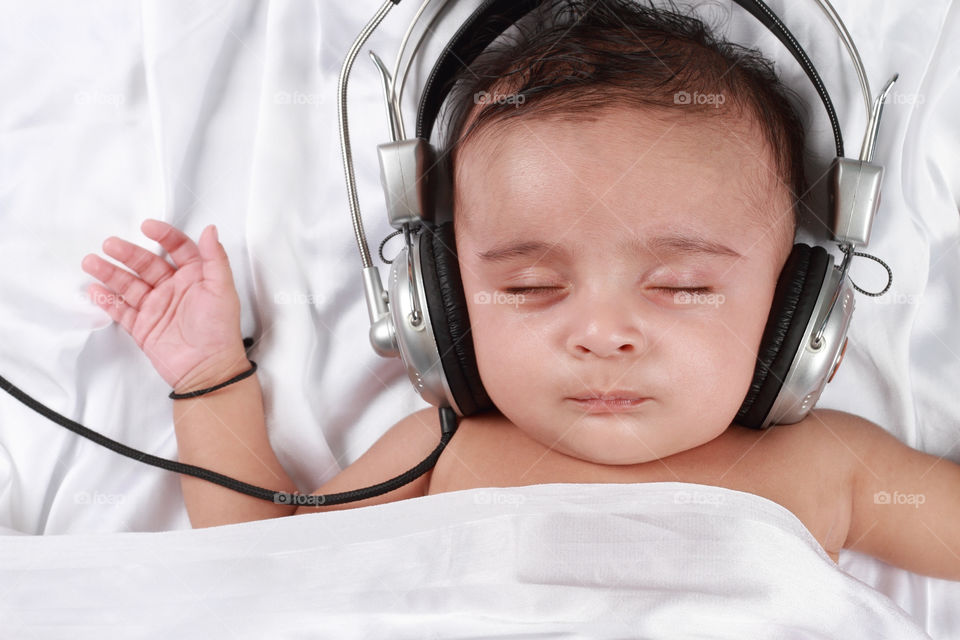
517,250
681,243
675,243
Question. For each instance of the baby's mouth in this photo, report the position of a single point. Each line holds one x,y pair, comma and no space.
613,402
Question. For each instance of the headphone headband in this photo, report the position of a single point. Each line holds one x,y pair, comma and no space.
497,16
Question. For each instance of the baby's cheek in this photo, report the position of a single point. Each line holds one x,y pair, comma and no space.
720,372
491,339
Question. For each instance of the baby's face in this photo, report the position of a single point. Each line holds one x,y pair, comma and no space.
618,274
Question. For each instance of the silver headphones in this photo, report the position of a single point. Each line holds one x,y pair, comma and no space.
422,316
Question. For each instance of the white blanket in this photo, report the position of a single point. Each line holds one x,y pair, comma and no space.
222,112
660,560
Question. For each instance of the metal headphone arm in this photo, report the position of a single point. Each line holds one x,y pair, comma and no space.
855,197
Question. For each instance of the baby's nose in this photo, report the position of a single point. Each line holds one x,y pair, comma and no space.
605,328
603,346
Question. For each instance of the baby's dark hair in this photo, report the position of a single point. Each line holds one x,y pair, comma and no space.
570,57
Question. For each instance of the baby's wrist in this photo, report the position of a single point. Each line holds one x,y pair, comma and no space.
213,373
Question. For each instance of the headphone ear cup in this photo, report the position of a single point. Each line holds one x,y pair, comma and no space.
798,288
443,291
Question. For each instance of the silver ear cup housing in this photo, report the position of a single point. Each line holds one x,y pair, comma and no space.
813,366
415,340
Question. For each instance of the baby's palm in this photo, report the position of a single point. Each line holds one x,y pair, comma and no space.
186,319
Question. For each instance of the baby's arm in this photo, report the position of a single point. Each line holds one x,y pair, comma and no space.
186,319
905,503
397,451
227,434
225,431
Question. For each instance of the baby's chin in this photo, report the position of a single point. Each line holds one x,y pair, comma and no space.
606,459
613,450
616,447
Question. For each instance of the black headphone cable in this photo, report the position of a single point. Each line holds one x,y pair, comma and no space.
448,425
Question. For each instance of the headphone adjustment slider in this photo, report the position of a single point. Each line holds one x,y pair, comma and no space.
404,176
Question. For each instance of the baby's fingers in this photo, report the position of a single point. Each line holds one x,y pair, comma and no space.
176,243
149,266
115,306
215,264
130,288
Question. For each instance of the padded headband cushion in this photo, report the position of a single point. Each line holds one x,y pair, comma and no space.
798,288
443,291
492,17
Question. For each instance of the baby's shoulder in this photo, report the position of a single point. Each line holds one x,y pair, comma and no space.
817,444
806,467
842,440
824,430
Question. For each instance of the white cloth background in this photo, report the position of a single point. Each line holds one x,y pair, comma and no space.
224,112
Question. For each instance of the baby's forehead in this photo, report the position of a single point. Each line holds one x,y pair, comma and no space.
676,148
698,132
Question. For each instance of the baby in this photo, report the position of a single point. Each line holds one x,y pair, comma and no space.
619,249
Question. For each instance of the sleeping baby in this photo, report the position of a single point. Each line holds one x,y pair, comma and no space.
625,195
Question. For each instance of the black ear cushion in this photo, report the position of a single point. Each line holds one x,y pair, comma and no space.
443,291
798,288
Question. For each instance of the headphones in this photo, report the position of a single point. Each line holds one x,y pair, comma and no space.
422,317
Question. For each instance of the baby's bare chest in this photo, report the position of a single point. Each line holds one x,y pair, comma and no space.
491,452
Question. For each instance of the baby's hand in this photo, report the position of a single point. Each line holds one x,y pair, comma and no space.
186,318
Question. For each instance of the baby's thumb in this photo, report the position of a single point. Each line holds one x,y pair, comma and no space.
214,262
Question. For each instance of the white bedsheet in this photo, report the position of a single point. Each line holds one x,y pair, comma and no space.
659,560
223,112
